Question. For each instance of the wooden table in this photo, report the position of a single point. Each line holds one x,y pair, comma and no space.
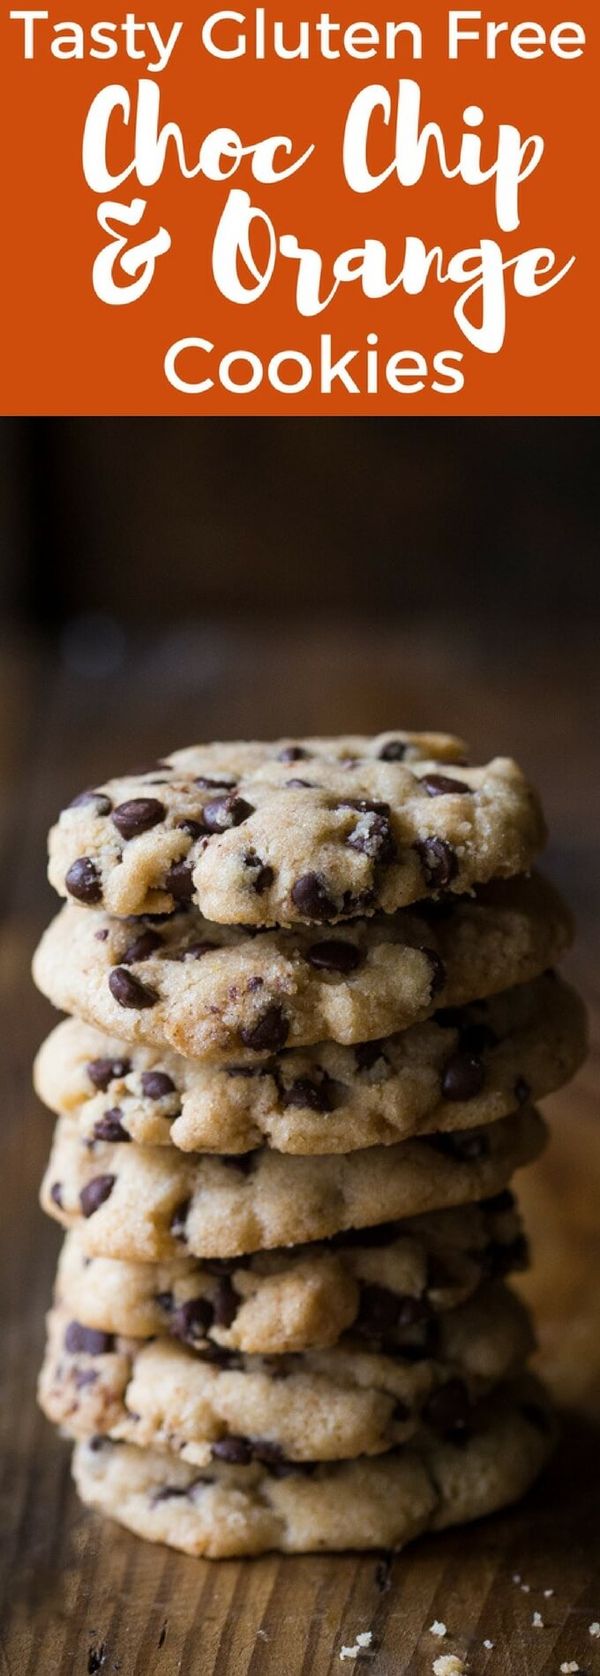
82,1596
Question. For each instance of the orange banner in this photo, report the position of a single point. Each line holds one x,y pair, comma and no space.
282,210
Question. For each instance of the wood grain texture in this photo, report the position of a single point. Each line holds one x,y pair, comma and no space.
82,1596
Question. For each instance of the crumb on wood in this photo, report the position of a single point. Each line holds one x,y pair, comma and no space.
488,1645
569,1669
537,1620
438,1628
361,1643
449,1665
594,1629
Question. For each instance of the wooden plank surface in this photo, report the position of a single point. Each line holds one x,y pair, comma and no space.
82,1596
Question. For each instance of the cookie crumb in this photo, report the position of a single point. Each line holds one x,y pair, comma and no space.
594,1629
526,1588
517,1577
437,1628
569,1669
488,1645
363,1640
449,1665
548,1594
537,1620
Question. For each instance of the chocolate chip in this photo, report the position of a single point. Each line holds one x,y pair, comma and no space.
179,1219
522,1091
128,991
137,815
224,812
83,1377
110,1128
155,1084
95,1193
179,881
438,971
298,785
102,1072
309,1095
196,950
191,1320
439,862
447,1409
268,1033
83,880
164,1301
87,1340
102,803
363,805
236,1450
401,1413
311,897
293,753
193,829
382,1310
217,1357
263,874
141,948
226,1302
168,1492
224,782
271,1455
441,785
101,936
334,955
463,1077
357,902
394,751
366,1054
373,837
56,1192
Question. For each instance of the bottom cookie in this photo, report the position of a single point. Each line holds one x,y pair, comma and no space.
384,1502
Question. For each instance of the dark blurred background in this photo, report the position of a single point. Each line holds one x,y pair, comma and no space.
162,520
170,580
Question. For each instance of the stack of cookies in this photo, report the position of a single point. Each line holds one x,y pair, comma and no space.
312,1005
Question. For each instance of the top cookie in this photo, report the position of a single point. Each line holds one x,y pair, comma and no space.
296,833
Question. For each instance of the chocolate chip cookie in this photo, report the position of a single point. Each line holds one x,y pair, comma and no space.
345,837
221,993
463,1067
148,1204
321,1405
378,1502
387,1284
